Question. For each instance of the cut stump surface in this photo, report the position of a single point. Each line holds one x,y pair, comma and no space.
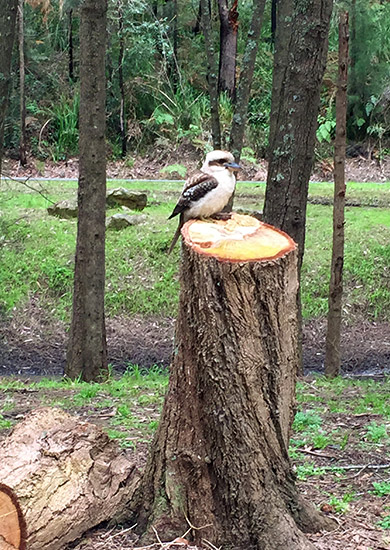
241,238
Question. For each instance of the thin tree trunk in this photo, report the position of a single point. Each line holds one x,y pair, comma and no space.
175,41
244,87
70,46
228,18
122,113
245,81
197,26
219,460
333,335
273,20
8,11
22,94
212,81
87,349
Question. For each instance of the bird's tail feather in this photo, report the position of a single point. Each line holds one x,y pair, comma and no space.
176,235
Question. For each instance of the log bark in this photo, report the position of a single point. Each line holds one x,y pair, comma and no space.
67,475
219,461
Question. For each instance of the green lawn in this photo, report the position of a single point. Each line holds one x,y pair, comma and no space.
37,250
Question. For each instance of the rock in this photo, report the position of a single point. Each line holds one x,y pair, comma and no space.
121,221
64,209
132,199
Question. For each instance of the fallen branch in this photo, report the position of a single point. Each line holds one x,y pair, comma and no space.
357,467
313,453
24,182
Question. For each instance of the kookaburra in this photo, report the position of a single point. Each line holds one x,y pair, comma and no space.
207,191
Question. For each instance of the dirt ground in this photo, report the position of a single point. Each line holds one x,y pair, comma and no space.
152,167
32,345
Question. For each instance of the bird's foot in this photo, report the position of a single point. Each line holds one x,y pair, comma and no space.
222,216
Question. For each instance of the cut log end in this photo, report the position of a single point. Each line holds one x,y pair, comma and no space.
238,239
12,525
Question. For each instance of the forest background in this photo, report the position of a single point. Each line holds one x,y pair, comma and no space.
157,96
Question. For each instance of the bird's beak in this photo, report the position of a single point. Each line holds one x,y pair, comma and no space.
232,166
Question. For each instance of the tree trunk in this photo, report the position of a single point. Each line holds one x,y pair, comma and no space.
22,94
173,65
67,475
122,113
273,20
301,45
245,82
219,460
244,87
70,46
333,335
196,27
87,349
8,10
228,18
212,82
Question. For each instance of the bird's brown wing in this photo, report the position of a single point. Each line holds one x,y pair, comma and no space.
196,187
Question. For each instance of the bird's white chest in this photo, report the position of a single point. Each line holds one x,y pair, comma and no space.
215,200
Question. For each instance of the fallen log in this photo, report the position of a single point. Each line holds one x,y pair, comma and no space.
13,533
219,464
67,476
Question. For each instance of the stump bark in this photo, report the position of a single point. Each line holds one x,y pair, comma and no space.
219,462
67,475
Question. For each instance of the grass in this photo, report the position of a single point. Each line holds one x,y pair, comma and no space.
37,251
133,402
341,505
320,399
381,488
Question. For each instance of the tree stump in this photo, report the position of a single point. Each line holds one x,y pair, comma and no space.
67,475
219,462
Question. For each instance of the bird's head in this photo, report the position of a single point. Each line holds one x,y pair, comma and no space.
217,161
